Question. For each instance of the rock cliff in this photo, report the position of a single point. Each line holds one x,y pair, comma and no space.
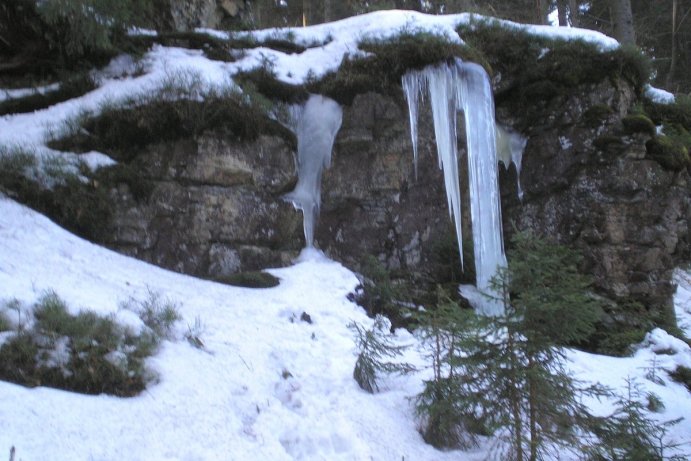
217,209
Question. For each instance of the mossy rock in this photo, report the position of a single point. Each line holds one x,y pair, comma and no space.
250,279
596,115
678,112
388,60
121,173
638,123
534,66
123,131
214,48
609,143
80,207
668,152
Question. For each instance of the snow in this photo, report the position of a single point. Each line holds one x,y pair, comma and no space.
658,95
230,400
682,300
125,78
225,402
266,386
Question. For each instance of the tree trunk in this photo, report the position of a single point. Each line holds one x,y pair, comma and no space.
515,398
573,13
532,410
673,53
622,17
561,13
328,11
541,11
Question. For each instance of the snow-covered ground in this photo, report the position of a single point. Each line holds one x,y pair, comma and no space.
230,400
234,400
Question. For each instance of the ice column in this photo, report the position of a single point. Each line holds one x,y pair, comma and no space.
315,125
465,86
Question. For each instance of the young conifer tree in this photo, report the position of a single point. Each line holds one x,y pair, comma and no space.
508,371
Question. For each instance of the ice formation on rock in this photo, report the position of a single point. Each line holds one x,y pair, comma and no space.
510,147
460,86
315,124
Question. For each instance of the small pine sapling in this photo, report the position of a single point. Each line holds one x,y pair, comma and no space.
630,434
375,347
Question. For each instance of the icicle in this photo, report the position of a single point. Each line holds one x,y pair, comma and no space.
413,86
441,87
510,147
439,81
315,125
465,86
485,210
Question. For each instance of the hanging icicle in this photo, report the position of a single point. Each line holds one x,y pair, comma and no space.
315,125
454,87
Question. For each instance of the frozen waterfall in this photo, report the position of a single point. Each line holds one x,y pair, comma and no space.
453,87
315,124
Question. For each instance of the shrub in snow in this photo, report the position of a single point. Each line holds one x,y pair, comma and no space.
380,295
375,347
83,353
194,333
249,279
5,324
629,434
682,375
159,314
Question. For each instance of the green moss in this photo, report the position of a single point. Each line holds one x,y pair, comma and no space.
608,143
253,279
387,62
619,344
596,115
669,152
81,207
123,132
678,112
68,89
638,123
530,61
283,45
75,352
263,81
682,375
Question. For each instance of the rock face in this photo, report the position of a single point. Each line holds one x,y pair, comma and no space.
216,207
186,15
588,183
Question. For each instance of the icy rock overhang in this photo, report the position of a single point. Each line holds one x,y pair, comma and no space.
453,87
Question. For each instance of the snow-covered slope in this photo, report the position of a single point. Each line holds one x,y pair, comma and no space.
233,400
229,401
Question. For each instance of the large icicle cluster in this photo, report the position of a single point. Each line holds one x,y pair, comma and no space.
453,87
315,125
